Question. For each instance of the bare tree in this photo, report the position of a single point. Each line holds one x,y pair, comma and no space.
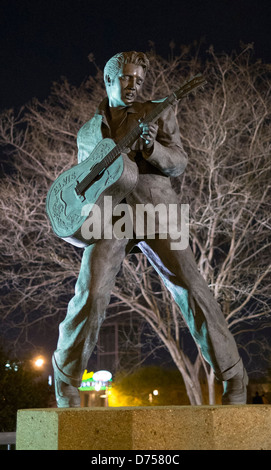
230,173
226,132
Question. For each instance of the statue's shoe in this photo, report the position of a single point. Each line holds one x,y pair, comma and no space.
66,395
235,389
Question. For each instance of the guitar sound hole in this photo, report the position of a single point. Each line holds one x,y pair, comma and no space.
98,177
88,185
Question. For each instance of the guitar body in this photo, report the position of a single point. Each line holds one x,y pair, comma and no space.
68,211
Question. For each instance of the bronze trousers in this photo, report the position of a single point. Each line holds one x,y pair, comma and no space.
78,333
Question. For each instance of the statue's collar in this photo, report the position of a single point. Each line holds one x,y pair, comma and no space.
103,108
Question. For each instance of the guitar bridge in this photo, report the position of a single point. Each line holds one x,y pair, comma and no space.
77,189
79,192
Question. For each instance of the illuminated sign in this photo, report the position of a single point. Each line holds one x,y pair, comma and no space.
101,380
87,375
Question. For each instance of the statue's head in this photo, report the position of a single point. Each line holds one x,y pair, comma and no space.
124,75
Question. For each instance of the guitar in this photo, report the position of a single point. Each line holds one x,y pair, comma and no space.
107,171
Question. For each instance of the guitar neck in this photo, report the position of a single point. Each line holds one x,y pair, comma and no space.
133,135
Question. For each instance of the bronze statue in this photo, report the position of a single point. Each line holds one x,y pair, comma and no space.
156,155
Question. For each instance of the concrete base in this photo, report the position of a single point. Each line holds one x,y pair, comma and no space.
245,427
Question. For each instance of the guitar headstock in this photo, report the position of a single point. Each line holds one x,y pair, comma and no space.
195,82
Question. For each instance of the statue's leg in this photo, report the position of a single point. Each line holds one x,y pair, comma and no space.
78,333
199,308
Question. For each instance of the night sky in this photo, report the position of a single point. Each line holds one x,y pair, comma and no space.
41,41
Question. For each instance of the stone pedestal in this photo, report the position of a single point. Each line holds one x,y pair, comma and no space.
245,427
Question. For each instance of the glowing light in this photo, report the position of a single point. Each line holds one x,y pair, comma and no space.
155,392
39,362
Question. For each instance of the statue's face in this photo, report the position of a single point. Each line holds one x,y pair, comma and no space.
125,87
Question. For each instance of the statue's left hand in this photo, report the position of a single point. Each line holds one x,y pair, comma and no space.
149,133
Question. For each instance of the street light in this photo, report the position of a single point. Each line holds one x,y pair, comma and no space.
39,362
154,393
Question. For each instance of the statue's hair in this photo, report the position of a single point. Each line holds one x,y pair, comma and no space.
114,64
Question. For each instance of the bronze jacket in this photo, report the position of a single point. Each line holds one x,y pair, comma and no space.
167,158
